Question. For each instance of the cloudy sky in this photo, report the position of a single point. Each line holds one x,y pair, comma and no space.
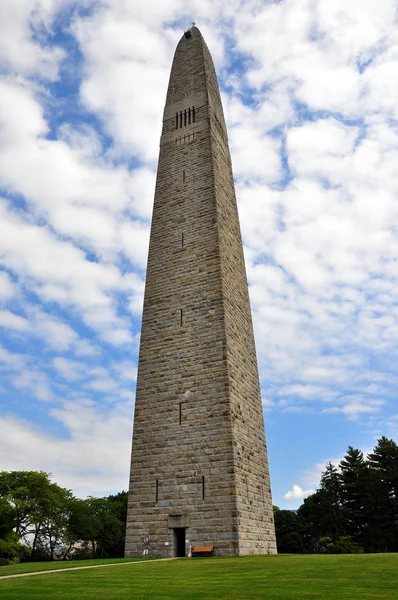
310,93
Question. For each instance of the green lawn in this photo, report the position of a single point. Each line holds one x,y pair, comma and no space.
283,577
67,564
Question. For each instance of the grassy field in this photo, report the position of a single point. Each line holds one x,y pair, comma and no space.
283,577
48,566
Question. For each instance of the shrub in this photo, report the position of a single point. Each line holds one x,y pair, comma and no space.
342,545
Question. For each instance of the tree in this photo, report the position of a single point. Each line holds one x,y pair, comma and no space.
9,541
356,495
111,538
383,470
55,520
332,494
355,508
322,512
38,507
101,523
26,493
82,524
342,545
291,534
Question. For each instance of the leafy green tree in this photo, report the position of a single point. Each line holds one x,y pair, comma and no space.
55,520
342,545
111,538
9,540
101,523
38,508
82,524
291,534
314,515
26,492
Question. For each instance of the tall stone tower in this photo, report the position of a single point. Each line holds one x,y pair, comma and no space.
199,470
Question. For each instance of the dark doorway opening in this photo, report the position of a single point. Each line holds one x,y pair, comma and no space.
179,541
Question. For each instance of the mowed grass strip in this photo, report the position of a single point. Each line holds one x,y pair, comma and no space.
62,564
283,577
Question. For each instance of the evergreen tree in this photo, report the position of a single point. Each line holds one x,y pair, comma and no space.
383,468
333,516
356,495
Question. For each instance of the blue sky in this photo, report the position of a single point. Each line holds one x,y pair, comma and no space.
309,90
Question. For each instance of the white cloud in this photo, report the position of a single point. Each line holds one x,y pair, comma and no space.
20,23
297,493
126,370
58,271
69,369
118,336
105,466
316,191
11,360
12,321
122,49
354,408
7,287
35,382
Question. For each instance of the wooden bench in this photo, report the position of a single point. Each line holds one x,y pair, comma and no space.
203,551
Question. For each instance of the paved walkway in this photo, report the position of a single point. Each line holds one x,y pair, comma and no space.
137,562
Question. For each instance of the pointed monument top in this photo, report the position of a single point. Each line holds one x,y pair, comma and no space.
188,32
193,70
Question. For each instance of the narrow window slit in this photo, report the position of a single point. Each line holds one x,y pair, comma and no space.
183,176
180,317
182,240
185,117
189,116
180,413
177,120
193,114
157,491
203,488
180,118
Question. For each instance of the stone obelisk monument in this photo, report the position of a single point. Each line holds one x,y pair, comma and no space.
199,469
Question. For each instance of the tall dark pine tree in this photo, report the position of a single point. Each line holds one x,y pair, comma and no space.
383,470
322,512
356,495
331,488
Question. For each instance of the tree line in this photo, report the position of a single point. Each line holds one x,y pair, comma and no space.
39,520
354,510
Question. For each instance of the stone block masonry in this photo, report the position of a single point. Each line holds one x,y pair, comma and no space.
199,469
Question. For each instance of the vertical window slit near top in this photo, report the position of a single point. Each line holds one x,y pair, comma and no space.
180,118
189,116
183,176
157,491
182,240
185,117
181,317
177,120
193,114
203,487
180,413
